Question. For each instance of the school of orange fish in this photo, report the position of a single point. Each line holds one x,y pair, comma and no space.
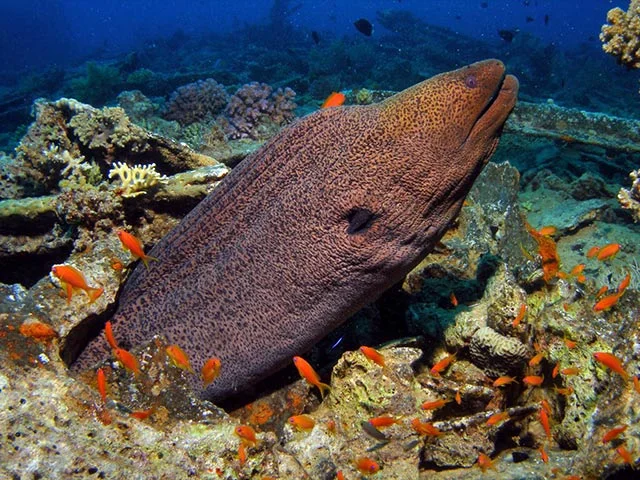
71,280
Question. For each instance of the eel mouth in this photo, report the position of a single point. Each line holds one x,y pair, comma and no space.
497,108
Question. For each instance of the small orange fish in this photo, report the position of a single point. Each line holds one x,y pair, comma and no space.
606,302
210,370
131,243
246,434
545,405
302,422
485,462
373,355
614,433
179,358
458,398
624,283
520,316
608,251
570,371
625,455
435,404
71,279
578,269
564,391
242,453
543,454
602,291
636,383
453,299
307,372
108,334
339,475
571,344
142,414
502,381
581,278
367,466
612,362
442,365
425,428
556,371
102,385
593,251
536,359
383,421
544,421
336,99
127,359
331,425
533,380
497,418
548,230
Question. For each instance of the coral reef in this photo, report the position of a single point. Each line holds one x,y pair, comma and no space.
621,37
256,111
630,199
136,180
196,102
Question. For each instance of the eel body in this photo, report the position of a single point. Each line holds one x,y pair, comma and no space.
316,224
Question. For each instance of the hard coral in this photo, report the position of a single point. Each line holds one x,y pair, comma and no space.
621,37
255,110
630,199
196,102
136,180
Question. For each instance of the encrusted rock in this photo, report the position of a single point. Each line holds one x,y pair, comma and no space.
496,354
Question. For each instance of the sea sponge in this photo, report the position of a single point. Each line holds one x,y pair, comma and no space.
136,180
630,199
496,354
621,37
196,102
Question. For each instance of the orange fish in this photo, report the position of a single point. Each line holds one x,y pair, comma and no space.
302,422
142,414
210,370
425,428
571,344
533,380
570,371
602,291
545,405
383,421
544,421
131,243
578,269
548,230
336,99
624,283
246,434
127,359
564,391
435,404
501,381
458,398
547,250
612,362
71,279
608,251
179,358
520,316
497,418
331,425
453,299
485,462
307,372
613,433
366,465
108,333
441,366
606,302
593,251
543,454
242,453
625,455
555,371
102,385
373,355
636,383
536,359
339,475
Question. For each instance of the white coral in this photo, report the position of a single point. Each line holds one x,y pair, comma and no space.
136,180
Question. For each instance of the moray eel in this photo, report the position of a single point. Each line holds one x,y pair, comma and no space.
322,219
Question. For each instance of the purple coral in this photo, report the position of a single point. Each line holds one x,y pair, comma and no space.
196,102
255,109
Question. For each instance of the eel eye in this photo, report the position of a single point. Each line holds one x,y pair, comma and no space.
360,219
471,81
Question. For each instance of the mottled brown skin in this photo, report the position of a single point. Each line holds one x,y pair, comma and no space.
316,224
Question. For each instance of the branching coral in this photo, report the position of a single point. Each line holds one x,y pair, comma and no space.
621,37
136,180
630,199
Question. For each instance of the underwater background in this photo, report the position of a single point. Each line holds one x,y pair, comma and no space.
511,351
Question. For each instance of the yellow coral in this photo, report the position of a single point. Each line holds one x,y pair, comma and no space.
136,180
621,37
